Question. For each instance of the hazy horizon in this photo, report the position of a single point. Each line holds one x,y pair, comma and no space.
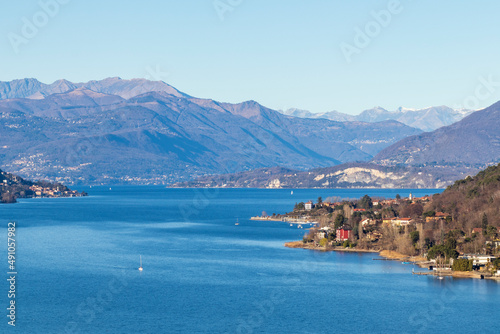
317,56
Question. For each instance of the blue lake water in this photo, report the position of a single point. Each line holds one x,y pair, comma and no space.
77,261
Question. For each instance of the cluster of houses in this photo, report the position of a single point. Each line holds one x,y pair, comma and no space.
342,234
371,233
51,192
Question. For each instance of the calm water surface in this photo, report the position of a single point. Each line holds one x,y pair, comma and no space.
77,261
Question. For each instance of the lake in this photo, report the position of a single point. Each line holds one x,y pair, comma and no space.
77,261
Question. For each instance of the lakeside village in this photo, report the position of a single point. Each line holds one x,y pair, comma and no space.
404,229
13,187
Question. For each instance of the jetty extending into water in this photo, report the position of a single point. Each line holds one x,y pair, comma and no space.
290,220
268,218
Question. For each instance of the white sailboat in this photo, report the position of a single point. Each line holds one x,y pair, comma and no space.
140,259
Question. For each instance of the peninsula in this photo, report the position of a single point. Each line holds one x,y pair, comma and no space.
13,187
456,232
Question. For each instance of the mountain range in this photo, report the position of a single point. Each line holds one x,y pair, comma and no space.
146,132
427,160
349,175
140,131
473,142
428,119
34,89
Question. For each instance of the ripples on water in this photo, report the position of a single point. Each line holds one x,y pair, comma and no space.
78,259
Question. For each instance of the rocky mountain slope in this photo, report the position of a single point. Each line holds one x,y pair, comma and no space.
351,175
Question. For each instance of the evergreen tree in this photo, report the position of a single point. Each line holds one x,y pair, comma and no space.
484,223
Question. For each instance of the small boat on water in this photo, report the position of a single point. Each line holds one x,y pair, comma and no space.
140,265
237,222
406,262
291,193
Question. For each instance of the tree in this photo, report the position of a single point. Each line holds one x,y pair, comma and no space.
339,221
496,264
428,243
320,200
430,213
323,242
415,236
442,251
491,232
484,222
355,231
413,210
398,196
299,207
451,243
8,198
462,265
365,202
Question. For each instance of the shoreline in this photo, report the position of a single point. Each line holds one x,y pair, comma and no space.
395,256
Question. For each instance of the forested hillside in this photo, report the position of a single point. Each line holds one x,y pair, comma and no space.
473,202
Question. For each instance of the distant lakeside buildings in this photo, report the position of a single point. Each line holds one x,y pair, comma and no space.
51,192
13,187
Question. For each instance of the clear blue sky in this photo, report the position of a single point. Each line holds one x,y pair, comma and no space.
282,54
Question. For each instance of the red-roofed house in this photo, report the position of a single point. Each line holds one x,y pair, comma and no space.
344,233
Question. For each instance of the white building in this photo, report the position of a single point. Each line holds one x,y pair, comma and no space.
479,259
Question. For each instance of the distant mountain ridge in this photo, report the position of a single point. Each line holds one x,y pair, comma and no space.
431,159
428,119
34,89
473,142
350,175
110,131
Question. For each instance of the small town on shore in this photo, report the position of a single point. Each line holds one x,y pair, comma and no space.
13,187
408,229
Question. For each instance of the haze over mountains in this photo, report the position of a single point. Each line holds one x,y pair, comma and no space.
428,160
139,131
428,119
34,89
473,142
